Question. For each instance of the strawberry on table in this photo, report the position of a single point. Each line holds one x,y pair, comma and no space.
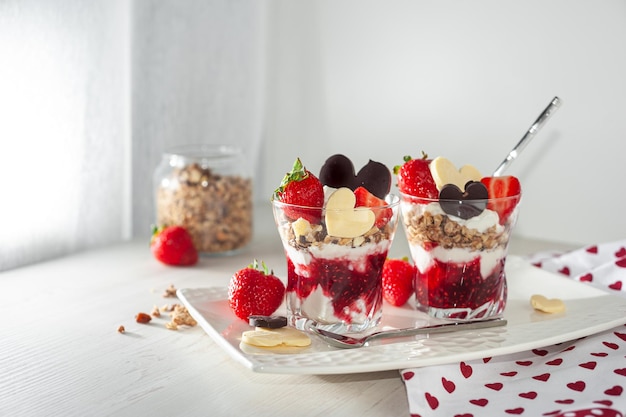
255,291
300,187
398,281
173,245
366,199
500,187
415,178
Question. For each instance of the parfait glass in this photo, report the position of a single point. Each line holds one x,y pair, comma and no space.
334,282
460,262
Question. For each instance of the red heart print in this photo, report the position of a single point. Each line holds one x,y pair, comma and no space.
621,372
512,373
589,365
555,362
621,262
592,249
552,413
464,415
481,402
496,386
408,375
617,285
567,349
540,352
620,335
524,363
448,385
542,377
588,277
517,411
537,264
607,403
433,402
485,360
577,386
531,395
567,401
621,252
611,345
564,271
600,354
466,370
616,391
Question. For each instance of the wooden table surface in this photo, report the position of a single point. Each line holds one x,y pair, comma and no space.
61,353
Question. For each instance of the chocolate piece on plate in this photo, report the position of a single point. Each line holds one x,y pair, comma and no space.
338,171
270,322
466,204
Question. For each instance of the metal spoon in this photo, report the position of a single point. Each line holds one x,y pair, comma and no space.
348,342
530,133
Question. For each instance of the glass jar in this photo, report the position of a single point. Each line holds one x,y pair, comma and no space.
207,189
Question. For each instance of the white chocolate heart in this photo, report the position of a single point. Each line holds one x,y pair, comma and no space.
444,172
265,337
342,219
547,305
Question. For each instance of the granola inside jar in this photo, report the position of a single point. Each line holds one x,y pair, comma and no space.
206,189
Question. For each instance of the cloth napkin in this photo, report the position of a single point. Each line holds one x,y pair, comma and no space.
583,377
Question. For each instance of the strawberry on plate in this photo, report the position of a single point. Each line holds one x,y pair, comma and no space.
173,245
415,178
366,199
398,281
500,188
255,291
301,188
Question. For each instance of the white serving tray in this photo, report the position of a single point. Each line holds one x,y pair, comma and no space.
589,310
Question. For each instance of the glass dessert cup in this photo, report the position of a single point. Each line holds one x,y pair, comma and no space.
460,263
334,283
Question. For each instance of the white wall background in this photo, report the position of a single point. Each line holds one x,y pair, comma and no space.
92,92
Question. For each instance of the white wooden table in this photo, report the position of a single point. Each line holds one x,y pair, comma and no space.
61,353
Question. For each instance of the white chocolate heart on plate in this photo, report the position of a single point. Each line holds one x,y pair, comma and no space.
444,172
342,219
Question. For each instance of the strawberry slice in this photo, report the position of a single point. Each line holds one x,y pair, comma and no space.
366,199
301,188
501,187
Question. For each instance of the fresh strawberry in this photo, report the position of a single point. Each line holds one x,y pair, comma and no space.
300,187
501,187
173,245
414,178
366,199
255,291
398,281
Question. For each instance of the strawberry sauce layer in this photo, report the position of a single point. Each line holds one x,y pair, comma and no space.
352,287
452,285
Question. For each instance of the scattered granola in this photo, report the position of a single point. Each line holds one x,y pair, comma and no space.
170,291
143,318
121,329
156,312
181,317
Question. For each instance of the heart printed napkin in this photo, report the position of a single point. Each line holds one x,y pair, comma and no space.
583,377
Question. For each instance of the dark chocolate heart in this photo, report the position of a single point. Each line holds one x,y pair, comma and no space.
466,204
338,171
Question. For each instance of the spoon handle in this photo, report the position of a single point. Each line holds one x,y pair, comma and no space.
438,328
530,133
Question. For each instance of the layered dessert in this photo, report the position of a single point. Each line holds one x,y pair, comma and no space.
458,225
336,230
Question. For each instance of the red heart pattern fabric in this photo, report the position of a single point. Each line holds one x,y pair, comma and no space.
584,377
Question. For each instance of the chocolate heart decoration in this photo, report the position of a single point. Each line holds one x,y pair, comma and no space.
338,171
466,204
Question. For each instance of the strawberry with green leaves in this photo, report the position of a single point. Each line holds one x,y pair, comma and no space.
173,245
301,188
507,193
255,291
415,178
398,281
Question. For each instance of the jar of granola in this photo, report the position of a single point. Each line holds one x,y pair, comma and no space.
207,189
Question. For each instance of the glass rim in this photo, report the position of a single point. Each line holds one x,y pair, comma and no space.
203,151
426,200
395,201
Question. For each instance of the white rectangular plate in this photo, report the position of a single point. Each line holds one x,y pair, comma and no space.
588,310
